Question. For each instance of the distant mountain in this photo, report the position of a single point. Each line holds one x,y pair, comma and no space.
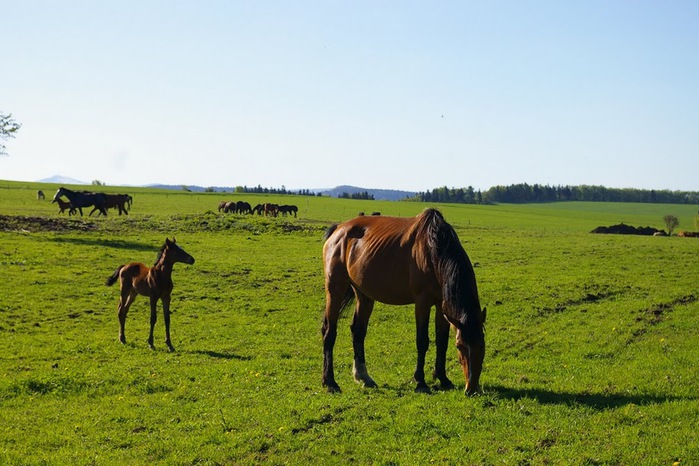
379,194
58,179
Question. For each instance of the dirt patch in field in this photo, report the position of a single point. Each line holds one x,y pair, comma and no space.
32,224
622,229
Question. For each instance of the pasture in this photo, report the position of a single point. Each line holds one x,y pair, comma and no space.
591,354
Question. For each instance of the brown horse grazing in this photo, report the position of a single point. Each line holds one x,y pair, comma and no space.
155,282
117,201
271,209
402,261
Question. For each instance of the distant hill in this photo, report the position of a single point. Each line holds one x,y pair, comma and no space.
59,179
379,194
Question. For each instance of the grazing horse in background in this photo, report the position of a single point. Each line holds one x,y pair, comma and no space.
243,207
258,209
117,201
63,205
271,209
78,200
40,195
402,261
222,205
155,282
288,209
229,207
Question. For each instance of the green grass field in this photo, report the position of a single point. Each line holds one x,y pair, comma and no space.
591,340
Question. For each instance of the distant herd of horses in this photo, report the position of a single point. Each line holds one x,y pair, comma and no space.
267,209
99,202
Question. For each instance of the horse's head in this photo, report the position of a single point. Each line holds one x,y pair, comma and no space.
58,194
177,253
470,341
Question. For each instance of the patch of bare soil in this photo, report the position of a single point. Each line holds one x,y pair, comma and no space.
32,224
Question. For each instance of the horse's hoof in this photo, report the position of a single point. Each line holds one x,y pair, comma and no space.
370,384
446,385
334,388
170,348
422,388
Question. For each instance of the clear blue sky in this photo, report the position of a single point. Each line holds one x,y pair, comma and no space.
380,94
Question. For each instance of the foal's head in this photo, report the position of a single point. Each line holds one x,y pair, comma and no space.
172,253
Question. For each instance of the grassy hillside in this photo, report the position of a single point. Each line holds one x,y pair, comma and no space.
591,340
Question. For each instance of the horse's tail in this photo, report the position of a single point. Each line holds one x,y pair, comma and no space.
346,301
115,276
330,231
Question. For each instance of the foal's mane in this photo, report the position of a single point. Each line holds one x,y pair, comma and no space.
447,257
160,254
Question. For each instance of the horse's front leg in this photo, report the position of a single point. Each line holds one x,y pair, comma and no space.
166,317
153,319
441,326
422,340
359,328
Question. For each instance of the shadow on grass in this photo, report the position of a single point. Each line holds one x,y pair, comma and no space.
217,355
110,243
599,401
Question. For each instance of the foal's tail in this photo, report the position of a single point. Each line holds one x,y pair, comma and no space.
115,276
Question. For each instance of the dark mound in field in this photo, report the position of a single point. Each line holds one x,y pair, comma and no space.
622,229
24,223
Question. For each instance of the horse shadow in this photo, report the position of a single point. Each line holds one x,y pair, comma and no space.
110,243
597,401
219,355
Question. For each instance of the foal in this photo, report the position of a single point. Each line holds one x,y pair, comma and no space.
155,282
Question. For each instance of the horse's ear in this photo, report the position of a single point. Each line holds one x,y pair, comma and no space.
174,240
167,241
483,315
451,320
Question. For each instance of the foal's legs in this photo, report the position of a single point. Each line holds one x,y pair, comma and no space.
362,313
125,300
153,319
166,317
441,326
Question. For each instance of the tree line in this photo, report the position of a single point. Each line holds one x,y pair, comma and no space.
361,195
277,191
526,193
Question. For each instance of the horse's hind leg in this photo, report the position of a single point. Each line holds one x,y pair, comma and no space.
124,303
359,328
422,339
166,318
441,326
334,298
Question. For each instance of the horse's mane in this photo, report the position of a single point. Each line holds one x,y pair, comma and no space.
160,254
445,254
